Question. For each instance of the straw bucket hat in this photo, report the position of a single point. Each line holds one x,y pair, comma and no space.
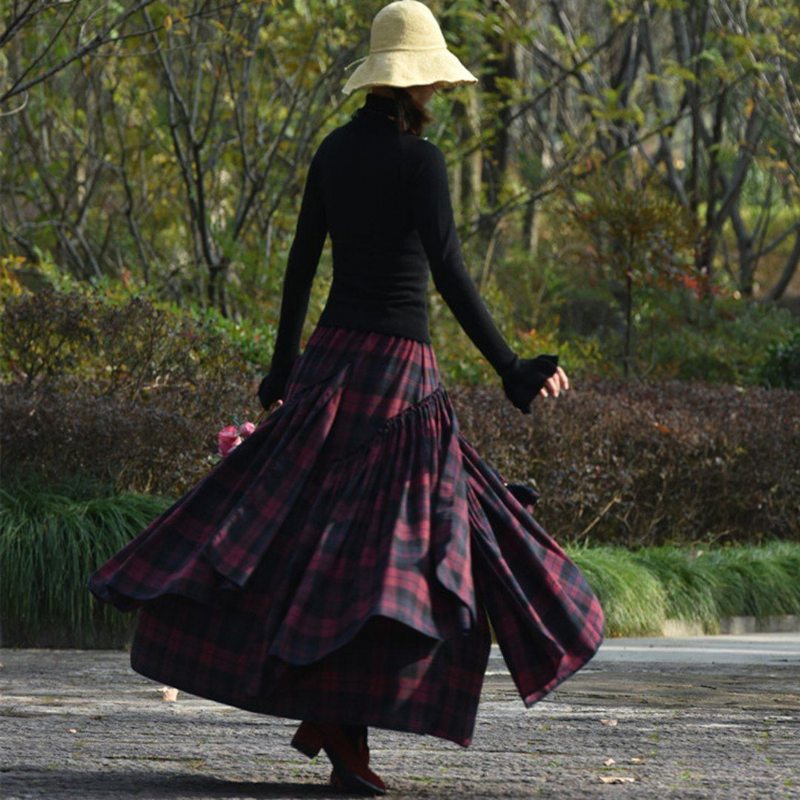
407,48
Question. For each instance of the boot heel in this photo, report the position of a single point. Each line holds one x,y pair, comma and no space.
307,740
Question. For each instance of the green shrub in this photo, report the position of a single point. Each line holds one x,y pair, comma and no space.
51,540
253,342
683,326
727,341
781,365
460,362
132,349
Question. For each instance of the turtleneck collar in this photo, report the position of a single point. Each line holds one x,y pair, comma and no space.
377,106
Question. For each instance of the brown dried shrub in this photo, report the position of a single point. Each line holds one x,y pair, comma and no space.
124,392
649,463
133,395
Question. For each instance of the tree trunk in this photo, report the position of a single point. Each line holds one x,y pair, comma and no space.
789,269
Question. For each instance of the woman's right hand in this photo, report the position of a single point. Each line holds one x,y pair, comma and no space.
558,382
527,378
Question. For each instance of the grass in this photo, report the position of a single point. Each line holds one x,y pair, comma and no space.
633,599
759,581
53,538
691,583
694,585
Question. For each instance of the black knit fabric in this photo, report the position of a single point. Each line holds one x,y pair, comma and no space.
384,199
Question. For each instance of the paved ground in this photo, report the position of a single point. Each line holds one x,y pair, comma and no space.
716,717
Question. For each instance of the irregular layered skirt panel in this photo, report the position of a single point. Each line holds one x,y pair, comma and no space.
344,562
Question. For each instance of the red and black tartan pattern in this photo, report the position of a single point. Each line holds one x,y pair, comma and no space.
339,564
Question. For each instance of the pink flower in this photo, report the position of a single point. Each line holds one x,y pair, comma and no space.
246,428
231,437
227,439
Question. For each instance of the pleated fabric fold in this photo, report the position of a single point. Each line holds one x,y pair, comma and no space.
340,563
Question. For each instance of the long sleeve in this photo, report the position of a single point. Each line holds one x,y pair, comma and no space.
304,254
433,218
522,378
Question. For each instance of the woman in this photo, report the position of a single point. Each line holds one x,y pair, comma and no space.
342,564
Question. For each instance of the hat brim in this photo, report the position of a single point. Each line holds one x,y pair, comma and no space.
409,68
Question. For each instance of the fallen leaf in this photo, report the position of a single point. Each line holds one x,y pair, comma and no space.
609,762
612,723
616,779
168,694
637,760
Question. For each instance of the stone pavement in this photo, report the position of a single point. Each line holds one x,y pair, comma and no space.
81,725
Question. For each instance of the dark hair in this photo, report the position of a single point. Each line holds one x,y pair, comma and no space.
411,117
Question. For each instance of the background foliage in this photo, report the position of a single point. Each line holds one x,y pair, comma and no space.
178,161
626,178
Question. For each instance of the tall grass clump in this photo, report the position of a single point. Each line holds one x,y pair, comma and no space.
639,590
691,581
51,540
633,599
758,582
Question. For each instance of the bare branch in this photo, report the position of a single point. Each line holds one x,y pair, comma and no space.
18,22
96,42
53,39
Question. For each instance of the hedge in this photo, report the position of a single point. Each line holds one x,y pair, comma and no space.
649,463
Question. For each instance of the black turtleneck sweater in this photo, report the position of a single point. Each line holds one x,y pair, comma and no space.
383,197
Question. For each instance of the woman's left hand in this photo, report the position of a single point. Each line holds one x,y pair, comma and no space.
558,382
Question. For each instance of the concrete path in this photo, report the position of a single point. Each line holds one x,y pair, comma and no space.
762,648
717,717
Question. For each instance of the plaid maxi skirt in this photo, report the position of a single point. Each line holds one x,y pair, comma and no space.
345,562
